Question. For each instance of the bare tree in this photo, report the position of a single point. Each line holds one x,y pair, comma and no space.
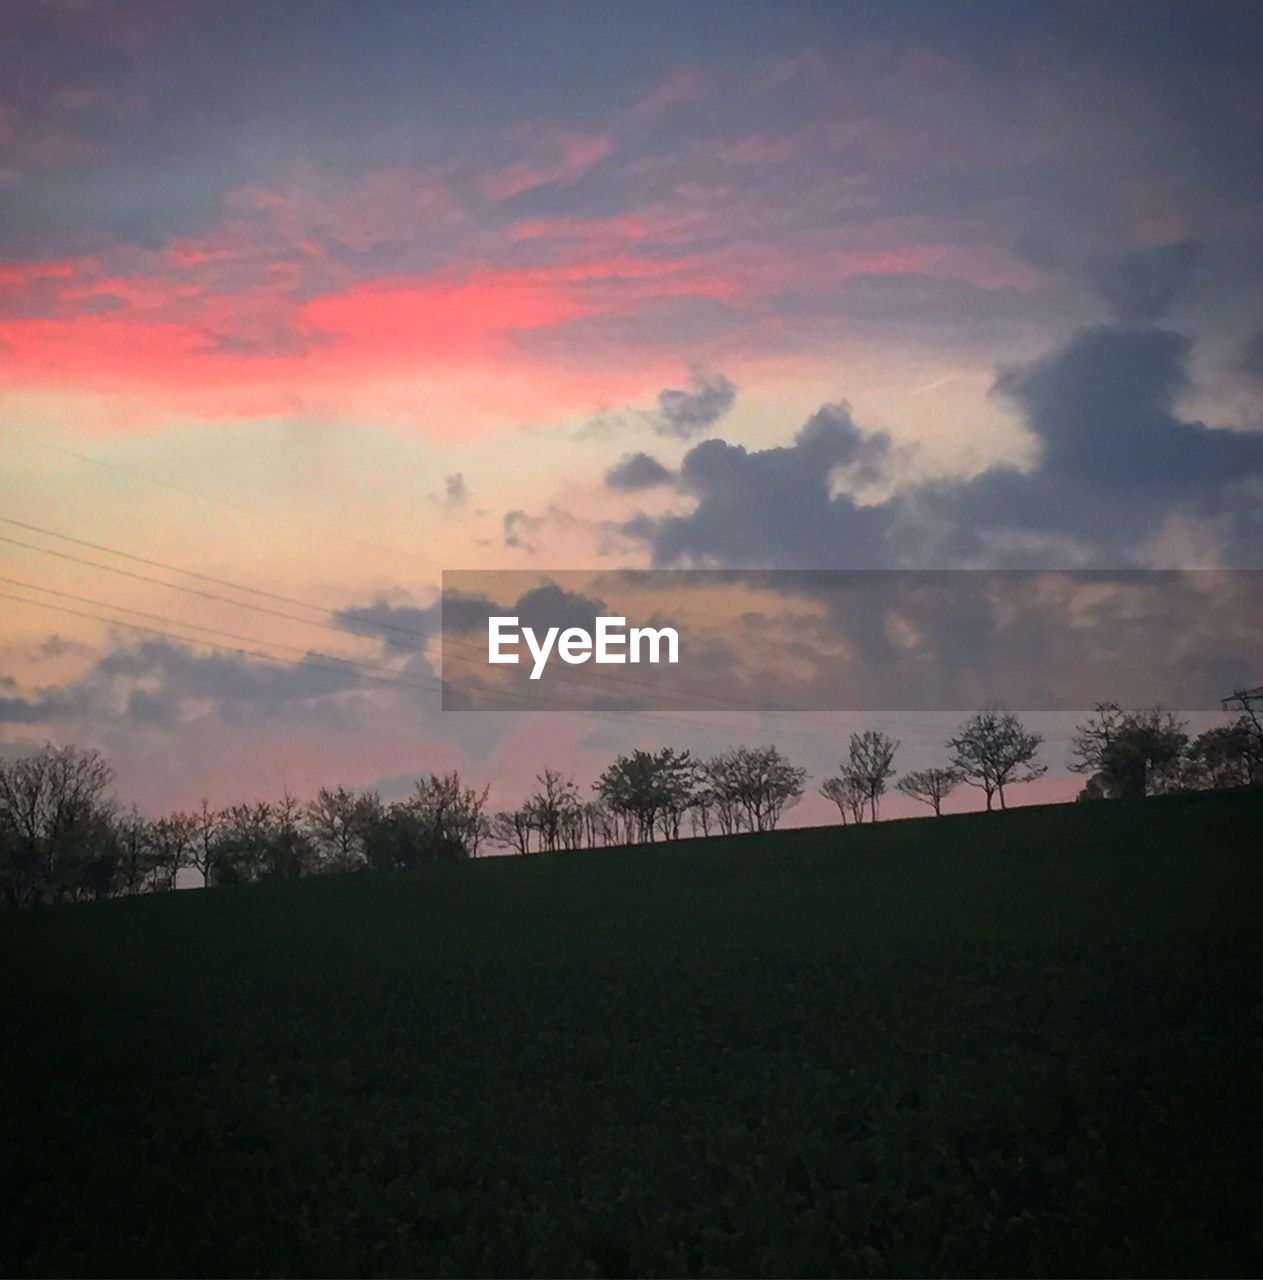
849,794
652,789
596,823
173,839
133,863
207,841
245,842
512,828
1249,705
53,806
550,804
753,786
930,786
335,822
871,762
451,815
993,751
292,852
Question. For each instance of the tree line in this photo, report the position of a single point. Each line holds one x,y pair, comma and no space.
63,836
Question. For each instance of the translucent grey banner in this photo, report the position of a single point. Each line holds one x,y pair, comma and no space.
849,640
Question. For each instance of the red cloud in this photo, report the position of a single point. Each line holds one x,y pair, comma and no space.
392,346
393,319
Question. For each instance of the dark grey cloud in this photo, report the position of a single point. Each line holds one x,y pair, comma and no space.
460,616
22,711
637,471
777,506
902,639
396,626
260,687
519,527
685,413
1115,461
1103,408
541,607
1142,285
153,680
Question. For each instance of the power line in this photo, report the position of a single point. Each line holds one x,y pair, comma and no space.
353,663
548,703
168,635
726,702
733,703
431,683
226,502
193,591
189,573
345,666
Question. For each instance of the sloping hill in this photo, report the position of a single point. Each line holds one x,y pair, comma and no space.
1023,1043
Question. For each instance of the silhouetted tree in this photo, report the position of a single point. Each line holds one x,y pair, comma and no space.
512,828
1131,753
450,815
394,838
550,804
653,789
753,786
335,823
291,852
244,851
597,824
871,763
849,794
930,786
54,816
1248,703
1222,757
133,855
992,751
172,840
208,835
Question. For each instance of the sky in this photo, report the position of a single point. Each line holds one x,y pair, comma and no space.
303,303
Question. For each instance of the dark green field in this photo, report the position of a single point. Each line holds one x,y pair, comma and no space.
1027,1043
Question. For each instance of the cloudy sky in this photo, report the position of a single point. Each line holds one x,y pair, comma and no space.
301,303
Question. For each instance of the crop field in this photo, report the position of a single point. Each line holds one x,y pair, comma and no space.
1027,1043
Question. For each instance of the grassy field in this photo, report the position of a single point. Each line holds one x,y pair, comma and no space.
1018,1044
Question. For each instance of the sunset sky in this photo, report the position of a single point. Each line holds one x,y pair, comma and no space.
316,300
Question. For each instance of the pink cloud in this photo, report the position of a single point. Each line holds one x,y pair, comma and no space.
564,157
630,226
19,275
758,148
685,83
